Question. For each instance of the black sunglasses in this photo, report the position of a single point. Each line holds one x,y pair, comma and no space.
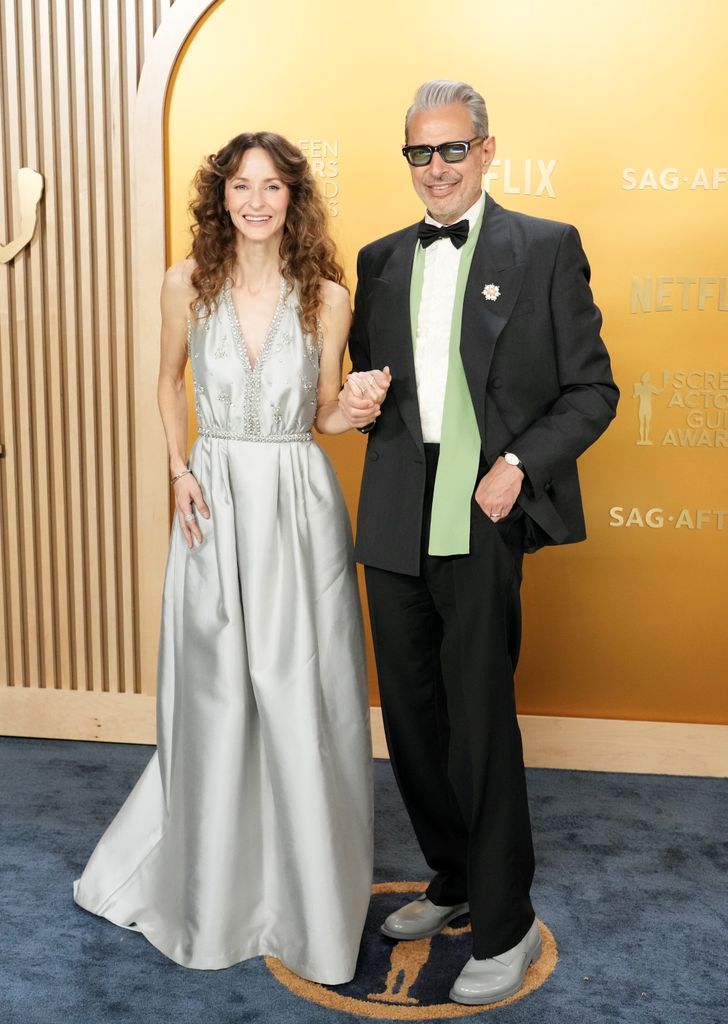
451,152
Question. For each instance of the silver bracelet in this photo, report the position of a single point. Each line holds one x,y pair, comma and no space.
178,476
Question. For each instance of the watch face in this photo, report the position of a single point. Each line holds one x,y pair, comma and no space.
511,459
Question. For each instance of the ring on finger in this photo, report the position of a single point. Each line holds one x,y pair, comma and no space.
189,517
371,381
495,515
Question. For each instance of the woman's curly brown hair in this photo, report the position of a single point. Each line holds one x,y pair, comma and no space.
307,253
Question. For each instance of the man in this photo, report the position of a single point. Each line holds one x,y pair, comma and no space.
494,381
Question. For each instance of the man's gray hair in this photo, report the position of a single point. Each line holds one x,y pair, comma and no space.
439,93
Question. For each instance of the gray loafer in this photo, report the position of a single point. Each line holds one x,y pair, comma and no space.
498,977
420,919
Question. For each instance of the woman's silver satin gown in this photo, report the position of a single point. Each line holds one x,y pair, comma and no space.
250,830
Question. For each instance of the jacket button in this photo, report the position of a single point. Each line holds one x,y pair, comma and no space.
497,382
373,456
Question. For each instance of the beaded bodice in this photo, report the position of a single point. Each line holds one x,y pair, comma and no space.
273,399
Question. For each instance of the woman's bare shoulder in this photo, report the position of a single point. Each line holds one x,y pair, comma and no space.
179,276
177,288
334,295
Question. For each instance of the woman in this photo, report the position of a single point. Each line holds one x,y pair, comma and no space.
250,831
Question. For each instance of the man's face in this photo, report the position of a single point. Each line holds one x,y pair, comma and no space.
448,190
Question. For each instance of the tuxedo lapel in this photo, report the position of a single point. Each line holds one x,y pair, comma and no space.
494,263
392,332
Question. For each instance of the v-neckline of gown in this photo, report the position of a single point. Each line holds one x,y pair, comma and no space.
242,346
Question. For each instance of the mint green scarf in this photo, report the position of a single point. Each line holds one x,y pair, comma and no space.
457,467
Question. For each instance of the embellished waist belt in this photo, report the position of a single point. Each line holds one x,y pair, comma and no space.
233,435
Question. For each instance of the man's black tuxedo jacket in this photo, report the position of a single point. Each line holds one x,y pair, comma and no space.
538,373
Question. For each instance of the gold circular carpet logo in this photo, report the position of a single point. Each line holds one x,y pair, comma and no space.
408,980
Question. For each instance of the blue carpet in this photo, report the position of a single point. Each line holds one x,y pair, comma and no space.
632,881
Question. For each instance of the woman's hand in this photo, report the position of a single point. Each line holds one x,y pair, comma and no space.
188,497
362,395
372,384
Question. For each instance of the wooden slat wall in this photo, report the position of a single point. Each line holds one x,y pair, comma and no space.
68,78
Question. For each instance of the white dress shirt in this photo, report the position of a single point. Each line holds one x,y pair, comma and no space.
434,321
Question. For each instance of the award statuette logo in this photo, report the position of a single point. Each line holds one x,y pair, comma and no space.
408,980
693,408
644,389
30,189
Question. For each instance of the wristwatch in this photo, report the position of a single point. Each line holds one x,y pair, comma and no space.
513,460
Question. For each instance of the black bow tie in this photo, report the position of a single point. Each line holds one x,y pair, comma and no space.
429,233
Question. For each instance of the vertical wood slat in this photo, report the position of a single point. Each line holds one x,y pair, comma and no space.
65,186
121,282
60,583
68,573
101,334
86,342
131,69
38,432
147,24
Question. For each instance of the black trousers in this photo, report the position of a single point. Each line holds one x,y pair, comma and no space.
446,644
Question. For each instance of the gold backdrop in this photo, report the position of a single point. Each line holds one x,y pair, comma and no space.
609,116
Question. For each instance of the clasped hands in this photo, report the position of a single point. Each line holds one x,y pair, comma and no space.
361,397
360,402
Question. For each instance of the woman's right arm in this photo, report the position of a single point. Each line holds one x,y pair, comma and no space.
177,294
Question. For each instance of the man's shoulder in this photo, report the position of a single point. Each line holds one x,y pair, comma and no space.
381,248
533,238
535,227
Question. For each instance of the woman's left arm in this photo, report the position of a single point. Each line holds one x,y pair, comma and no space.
335,324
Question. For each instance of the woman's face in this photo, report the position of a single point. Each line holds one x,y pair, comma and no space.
256,197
